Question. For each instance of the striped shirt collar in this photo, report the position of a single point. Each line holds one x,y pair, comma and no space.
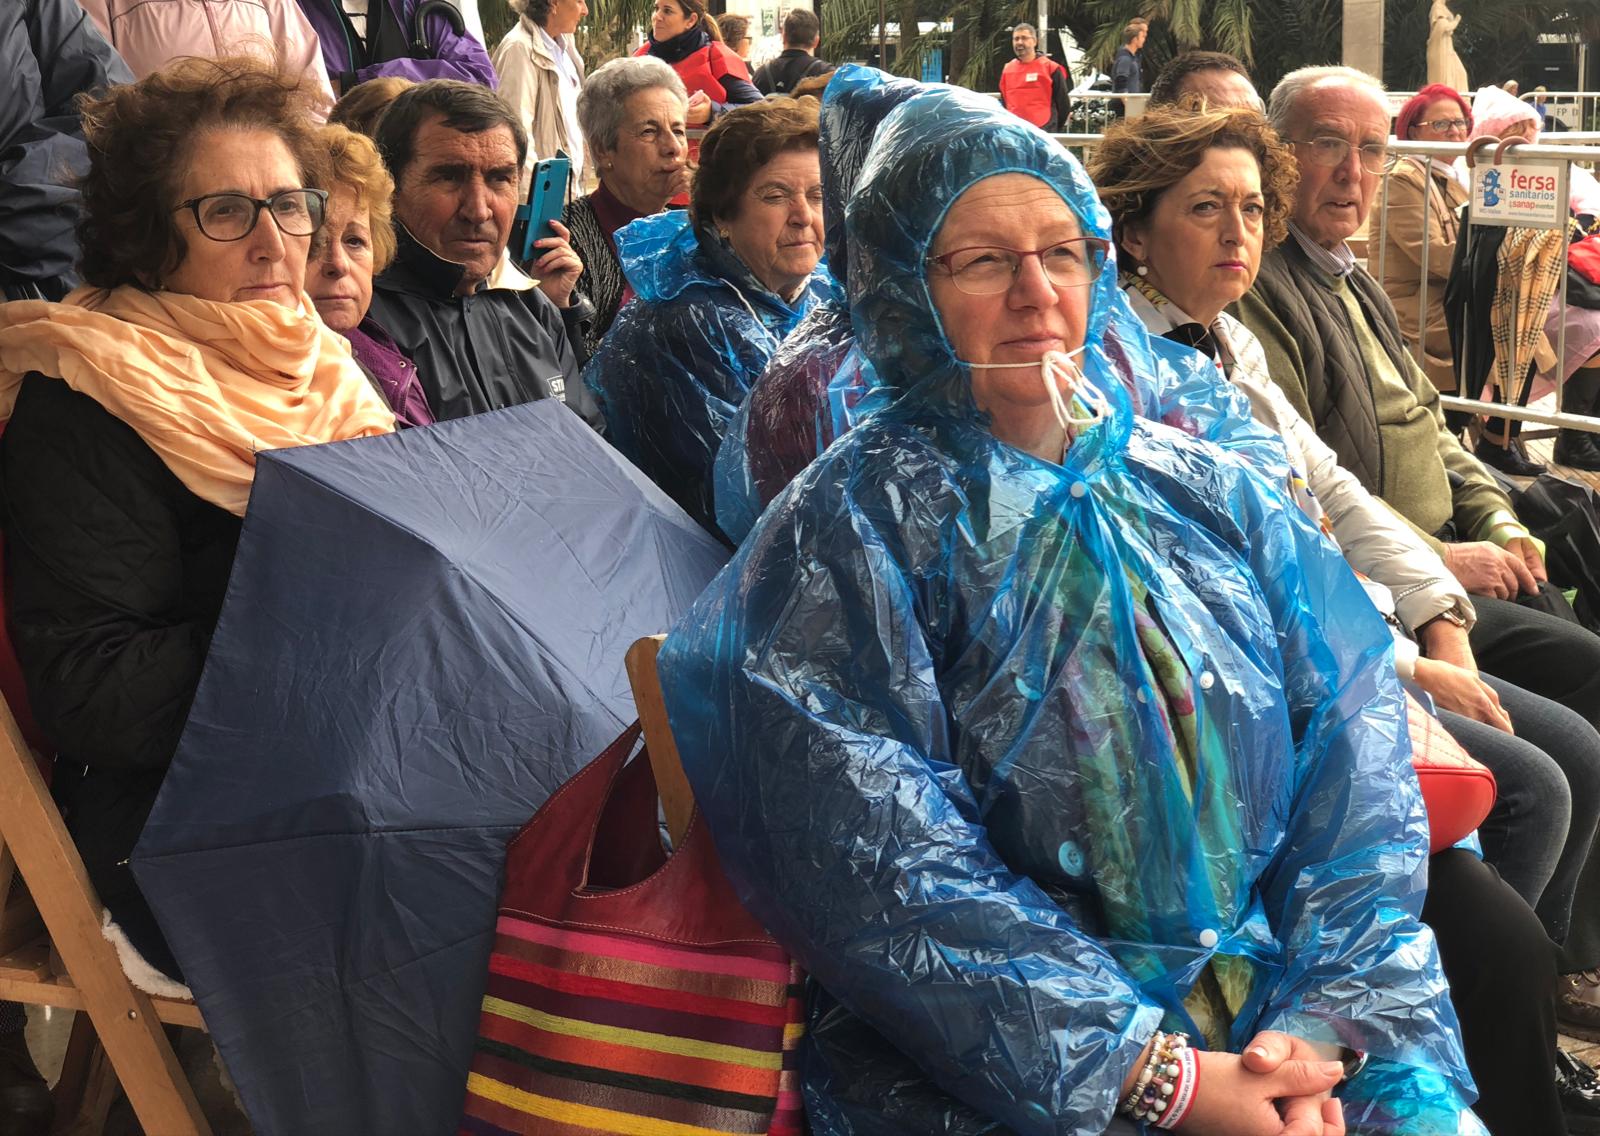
1336,262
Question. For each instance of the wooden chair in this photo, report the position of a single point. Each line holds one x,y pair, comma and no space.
672,786
53,954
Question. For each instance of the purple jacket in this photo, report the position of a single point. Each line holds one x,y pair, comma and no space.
388,52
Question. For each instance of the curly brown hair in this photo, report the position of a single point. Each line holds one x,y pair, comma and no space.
741,142
1142,158
354,164
142,138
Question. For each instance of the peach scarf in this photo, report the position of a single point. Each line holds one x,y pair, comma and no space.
207,385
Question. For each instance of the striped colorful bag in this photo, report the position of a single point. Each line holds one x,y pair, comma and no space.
628,990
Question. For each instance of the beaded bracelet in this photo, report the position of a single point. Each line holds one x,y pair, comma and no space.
1156,1100
1184,1090
1157,1082
1145,1074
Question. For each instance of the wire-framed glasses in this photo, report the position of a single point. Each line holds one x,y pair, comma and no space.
984,270
233,216
1330,150
1446,125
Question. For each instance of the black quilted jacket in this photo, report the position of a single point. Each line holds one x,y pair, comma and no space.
117,574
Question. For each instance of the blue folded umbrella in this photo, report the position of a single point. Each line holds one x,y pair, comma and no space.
423,637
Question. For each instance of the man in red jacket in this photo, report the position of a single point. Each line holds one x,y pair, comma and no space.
1032,86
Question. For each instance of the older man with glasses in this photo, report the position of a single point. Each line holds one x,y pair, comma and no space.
1334,345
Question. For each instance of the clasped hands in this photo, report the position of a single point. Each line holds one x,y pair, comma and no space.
1279,1086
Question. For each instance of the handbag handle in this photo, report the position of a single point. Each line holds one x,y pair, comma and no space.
597,816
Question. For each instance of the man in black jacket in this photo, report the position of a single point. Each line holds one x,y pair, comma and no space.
802,33
483,335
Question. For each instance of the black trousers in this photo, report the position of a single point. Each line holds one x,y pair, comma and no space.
1501,968
1540,653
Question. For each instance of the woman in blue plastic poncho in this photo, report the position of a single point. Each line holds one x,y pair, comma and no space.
1041,741
715,290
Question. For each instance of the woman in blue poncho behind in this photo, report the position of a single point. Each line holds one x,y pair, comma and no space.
715,290
1043,734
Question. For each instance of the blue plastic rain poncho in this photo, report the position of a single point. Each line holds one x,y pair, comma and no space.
1024,760
816,386
678,360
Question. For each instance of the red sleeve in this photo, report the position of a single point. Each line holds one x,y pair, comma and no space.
726,61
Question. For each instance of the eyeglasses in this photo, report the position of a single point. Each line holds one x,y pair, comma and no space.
1330,151
233,216
985,270
1446,125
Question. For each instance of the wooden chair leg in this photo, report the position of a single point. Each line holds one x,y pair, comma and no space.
123,1017
88,1085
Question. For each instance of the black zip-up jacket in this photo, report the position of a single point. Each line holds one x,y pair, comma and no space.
779,76
496,348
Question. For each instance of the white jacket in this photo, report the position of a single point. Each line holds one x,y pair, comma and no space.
1374,541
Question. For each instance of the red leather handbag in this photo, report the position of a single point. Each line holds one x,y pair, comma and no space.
628,989
1458,790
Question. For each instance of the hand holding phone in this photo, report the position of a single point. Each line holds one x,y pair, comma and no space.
558,268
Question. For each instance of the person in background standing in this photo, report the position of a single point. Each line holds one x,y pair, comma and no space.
802,35
736,34
686,36
541,74
1126,76
151,34
371,39
1033,86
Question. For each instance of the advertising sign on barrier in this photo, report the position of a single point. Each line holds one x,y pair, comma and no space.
1528,194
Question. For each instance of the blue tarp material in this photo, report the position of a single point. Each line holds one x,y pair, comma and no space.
423,637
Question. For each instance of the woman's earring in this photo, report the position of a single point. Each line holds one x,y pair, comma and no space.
1141,271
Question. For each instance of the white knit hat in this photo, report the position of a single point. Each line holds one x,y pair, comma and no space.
1494,110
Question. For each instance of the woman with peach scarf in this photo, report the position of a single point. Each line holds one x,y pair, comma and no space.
136,408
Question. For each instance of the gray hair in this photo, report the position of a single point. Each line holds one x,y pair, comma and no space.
1029,28
1292,88
609,87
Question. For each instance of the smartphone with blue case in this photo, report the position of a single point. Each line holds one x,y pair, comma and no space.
547,197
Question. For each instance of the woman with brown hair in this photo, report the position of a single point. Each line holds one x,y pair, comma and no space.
355,243
137,407
715,290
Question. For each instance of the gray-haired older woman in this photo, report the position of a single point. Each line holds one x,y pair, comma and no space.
632,114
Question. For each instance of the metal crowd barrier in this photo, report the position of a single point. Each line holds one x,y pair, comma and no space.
1377,226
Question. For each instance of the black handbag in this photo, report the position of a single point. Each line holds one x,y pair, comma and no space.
1565,515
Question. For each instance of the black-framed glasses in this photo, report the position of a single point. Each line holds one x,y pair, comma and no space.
985,270
233,216
1446,125
1329,150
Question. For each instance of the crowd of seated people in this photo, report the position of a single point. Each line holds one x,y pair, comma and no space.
1098,600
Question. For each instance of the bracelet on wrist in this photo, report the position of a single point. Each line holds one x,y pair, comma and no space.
1183,1092
1160,1082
